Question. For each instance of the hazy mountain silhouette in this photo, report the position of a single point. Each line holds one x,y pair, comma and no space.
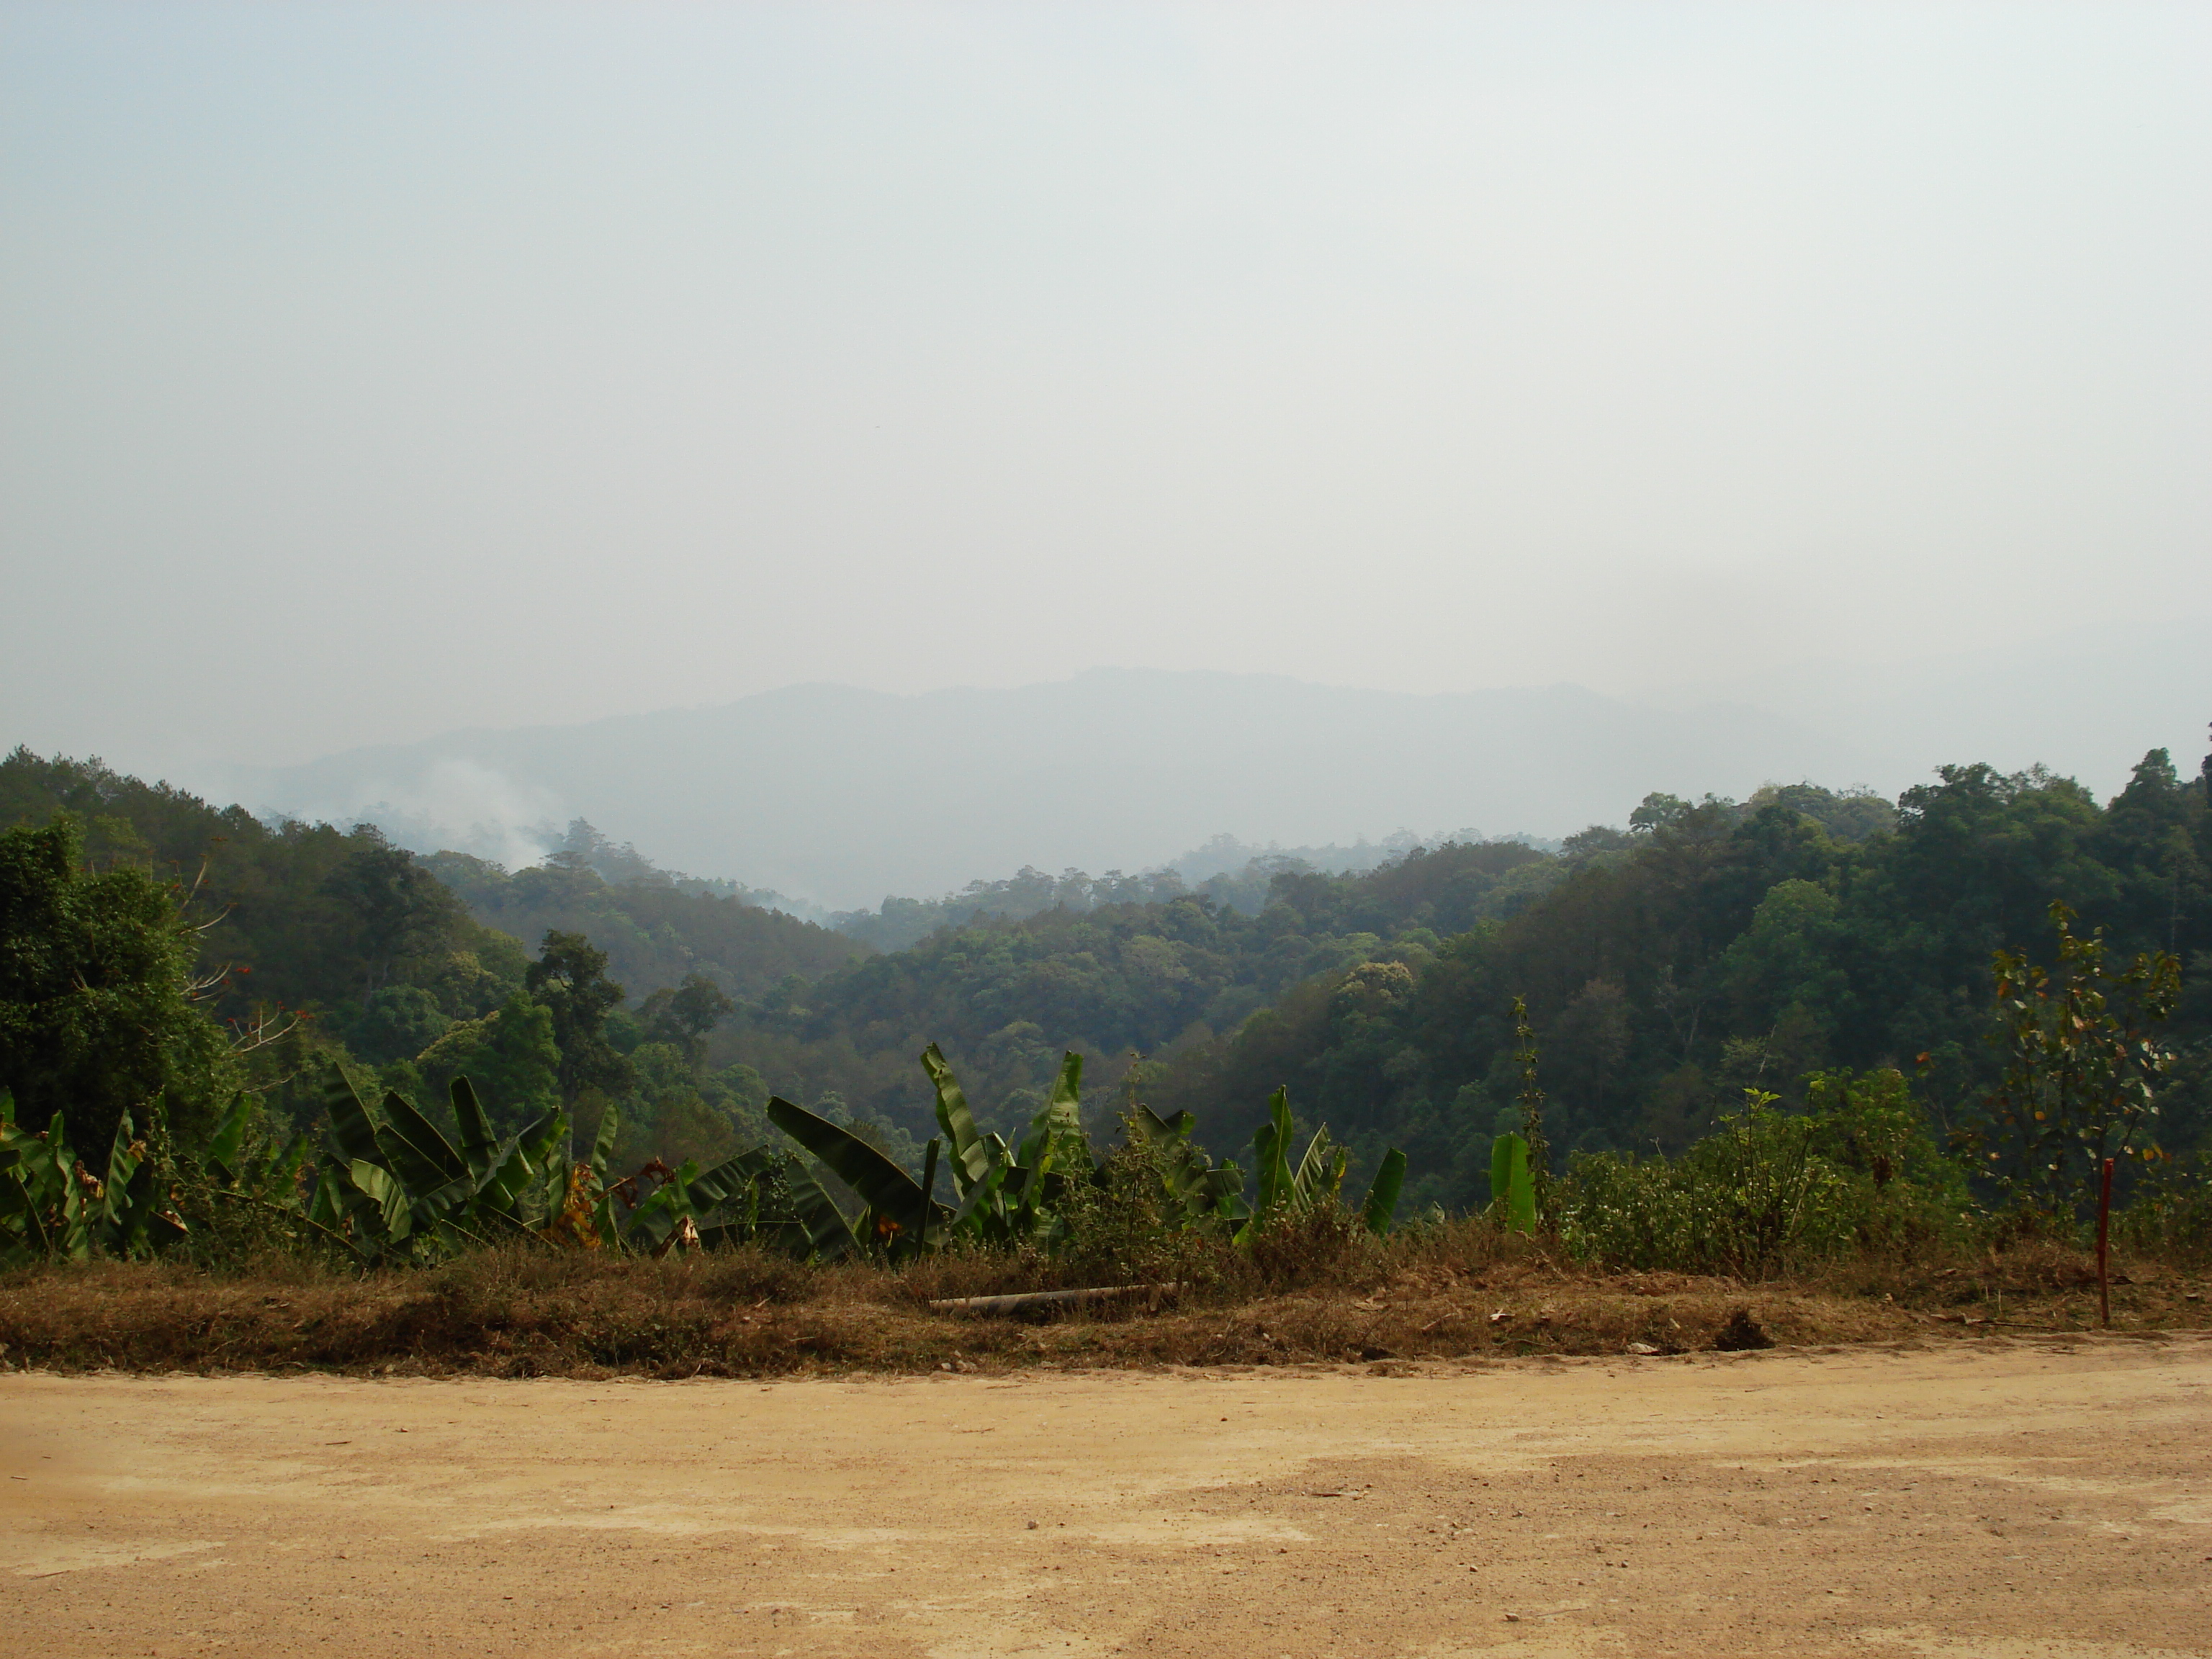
840,796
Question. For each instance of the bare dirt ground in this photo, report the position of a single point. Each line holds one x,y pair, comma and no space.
2012,1499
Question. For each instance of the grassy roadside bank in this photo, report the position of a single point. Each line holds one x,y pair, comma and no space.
743,1313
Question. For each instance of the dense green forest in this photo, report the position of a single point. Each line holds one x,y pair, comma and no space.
1715,947
899,922
1704,947
309,942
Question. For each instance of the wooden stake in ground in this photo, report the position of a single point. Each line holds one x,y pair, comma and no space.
2104,1260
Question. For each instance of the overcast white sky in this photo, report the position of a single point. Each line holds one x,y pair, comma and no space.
368,371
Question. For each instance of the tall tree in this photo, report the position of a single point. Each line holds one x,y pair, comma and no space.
684,1015
569,979
398,907
96,1009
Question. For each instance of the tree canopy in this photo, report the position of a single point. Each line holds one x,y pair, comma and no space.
1702,947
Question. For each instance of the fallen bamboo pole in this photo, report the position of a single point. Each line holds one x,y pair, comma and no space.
1039,1301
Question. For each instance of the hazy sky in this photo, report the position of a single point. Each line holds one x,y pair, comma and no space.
367,371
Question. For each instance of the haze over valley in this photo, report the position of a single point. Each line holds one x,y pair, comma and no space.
835,797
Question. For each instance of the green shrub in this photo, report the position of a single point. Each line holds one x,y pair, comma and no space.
2171,1214
1771,1190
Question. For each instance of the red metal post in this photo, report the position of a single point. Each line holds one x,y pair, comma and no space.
2104,1257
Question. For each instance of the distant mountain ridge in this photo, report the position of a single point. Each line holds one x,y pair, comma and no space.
842,796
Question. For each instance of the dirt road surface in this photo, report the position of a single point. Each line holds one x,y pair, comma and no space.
2009,1500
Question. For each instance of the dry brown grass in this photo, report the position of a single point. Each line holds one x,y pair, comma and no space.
1462,1291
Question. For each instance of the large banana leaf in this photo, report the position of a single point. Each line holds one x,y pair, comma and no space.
1316,1177
125,1153
810,1225
387,1202
972,1154
514,1190
894,1199
771,1198
326,1206
886,1188
352,1126
41,1204
74,1234
1382,1192
358,1197
1055,1142
1512,1193
1271,1148
585,1188
818,1228
440,1184
652,1222
364,1195
221,1157
987,1213
278,1178
274,1180
988,1185
603,1144
393,1176
1053,1154
479,1141
1162,1130
415,1150
735,1182
1002,1195
132,1216
549,1158
1320,1173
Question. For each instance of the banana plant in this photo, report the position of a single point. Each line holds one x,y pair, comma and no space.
132,1213
982,1166
1013,1195
754,1196
1206,1196
1001,1194
587,1217
227,1165
268,1180
53,1208
390,1177
42,1199
1381,1207
1288,1188
1512,1189
898,1215
781,1205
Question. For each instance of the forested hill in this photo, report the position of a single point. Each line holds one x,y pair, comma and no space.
1667,963
653,930
305,916
1005,996
1721,947
1707,946
419,967
321,916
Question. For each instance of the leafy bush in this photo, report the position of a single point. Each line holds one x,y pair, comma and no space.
1771,1190
2172,1214
1125,1227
